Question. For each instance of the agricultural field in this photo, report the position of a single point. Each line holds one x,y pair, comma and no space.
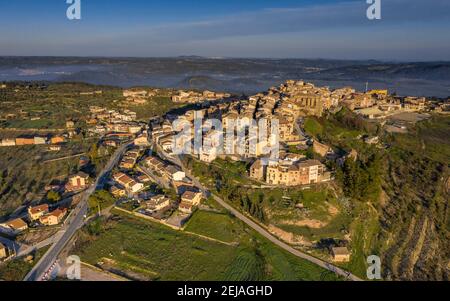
217,225
50,107
155,106
429,137
145,250
24,172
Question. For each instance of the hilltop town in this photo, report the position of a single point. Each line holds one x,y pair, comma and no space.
121,170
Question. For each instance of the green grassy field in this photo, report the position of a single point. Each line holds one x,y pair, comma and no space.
282,201
217,225
334,229
160,253
157,105
428,137
34,124
313,127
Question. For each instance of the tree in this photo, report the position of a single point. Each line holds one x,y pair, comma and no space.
101,199
53,196
93,153
361,179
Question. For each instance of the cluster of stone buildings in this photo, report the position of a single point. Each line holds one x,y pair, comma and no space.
293,170
134,96
189,195
124,183
114,126
40,213
129,184
34,140
168,171
182,96
275,111
129,159
379,104
297,98
102,116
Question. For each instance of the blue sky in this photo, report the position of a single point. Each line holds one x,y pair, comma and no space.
416,30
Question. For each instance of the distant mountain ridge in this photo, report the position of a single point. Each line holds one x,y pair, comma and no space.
230,74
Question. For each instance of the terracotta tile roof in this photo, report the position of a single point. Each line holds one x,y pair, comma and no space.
60,212
38,209
189,195
17,223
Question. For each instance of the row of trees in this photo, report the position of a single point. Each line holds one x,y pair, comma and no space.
238,196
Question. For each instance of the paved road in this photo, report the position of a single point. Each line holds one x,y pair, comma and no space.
75,220
257,227
298,126
263,232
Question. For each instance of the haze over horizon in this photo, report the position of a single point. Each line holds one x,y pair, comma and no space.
410,30
194,56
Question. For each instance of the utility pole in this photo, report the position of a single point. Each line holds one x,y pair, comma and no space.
367,86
